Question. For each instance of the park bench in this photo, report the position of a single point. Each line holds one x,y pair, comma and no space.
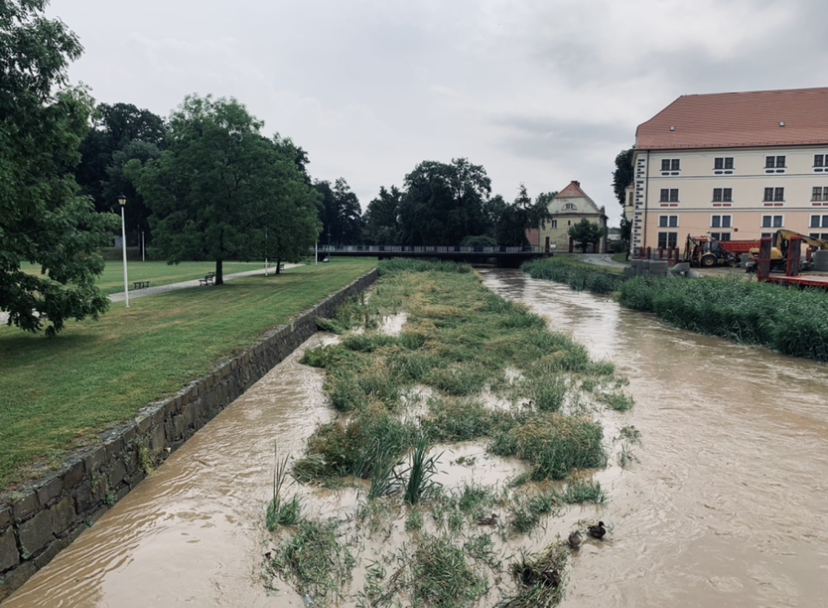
208,279
140,284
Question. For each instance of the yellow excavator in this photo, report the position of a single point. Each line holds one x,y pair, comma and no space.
779,249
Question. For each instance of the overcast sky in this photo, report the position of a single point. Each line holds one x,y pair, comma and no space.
537,91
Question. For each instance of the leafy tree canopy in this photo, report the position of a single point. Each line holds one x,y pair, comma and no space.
219,184
43,220
586,234
340,213
382,218
623,174
444,203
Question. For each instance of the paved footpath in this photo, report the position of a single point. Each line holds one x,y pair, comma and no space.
152,291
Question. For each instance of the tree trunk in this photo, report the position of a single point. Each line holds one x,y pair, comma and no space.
219,273
278,265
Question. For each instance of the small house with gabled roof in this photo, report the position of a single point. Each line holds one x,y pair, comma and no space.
569,207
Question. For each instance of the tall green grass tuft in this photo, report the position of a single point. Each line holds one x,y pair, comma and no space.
554,444
418,476
578,277
281,512
793,322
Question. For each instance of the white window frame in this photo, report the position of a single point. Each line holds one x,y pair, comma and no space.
668,221
772,221
724,221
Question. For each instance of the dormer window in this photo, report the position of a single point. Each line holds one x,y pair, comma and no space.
569,207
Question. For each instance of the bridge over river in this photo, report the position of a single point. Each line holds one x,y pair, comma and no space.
503,257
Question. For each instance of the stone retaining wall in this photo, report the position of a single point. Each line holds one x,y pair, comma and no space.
45,516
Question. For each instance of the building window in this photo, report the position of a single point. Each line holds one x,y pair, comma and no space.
668,221
720,236
823,236
774,194
820,160
669,195
667,240
671,164
723,162
772,221
820,193
777,162
766,235
720,221
554,224
819,221
722,195
569,207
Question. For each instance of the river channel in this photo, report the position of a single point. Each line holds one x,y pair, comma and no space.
725,502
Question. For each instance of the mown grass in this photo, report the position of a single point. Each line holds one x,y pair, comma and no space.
111,279
791,321
58,393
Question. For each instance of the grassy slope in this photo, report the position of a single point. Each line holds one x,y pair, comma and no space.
56,393
158,273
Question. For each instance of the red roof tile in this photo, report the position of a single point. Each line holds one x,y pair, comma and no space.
736,120
573,190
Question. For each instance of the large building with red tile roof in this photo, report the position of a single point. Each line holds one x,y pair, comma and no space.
732,166
569,207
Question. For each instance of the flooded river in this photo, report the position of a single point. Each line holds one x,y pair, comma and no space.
725,504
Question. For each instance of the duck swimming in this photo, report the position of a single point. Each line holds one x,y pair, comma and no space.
488,521
575,539
597,531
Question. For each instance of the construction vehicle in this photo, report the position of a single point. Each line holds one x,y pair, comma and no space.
707,252
780,243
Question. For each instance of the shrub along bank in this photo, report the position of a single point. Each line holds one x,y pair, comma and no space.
791,321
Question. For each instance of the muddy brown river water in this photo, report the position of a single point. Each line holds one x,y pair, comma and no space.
725,504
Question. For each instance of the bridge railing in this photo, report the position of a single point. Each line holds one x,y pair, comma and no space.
424,249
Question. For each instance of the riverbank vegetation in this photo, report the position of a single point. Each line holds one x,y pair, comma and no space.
57,394
467,367
791,321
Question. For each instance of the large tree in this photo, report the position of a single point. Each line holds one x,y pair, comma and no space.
522,214
43,219
444,203
120,132
212,191
586,233
382,218
623,174
340,213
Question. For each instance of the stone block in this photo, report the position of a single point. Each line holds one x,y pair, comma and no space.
144,423
129,434
113,446
84,499
5,516
73,473
157,438
49,489
94,460
63,516
24,506
117,472
36,533
9,556
158,416
13,579
179,426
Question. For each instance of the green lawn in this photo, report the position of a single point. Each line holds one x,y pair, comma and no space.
158,273
58,393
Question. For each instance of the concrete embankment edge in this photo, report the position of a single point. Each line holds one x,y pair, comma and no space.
45,516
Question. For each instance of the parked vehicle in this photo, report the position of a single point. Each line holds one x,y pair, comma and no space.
707,252
780,245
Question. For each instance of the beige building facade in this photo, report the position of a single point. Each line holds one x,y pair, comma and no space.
569,207
733,166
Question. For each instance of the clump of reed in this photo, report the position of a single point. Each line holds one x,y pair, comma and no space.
578,276
554,444
281,512
620,402
791,321
527,512
419,475
315,561
581,491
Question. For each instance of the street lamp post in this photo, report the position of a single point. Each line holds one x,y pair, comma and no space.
122,202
